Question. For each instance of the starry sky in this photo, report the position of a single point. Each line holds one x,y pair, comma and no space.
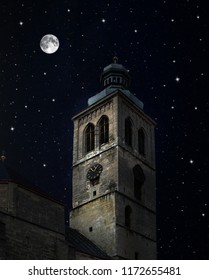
164,45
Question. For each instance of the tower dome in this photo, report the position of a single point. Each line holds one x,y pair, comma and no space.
115,75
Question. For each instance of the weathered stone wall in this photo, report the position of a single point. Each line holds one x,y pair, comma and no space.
4,196
31,226
96,220
131,243
99,214
39,210
117,177
93,115
105,154
142,226
83,189
142,220
126,163
7,202
139,120
31,206
24,240
140,237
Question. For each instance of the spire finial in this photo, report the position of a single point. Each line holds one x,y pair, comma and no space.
3,156
115,58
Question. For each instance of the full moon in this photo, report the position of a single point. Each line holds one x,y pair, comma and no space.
49,44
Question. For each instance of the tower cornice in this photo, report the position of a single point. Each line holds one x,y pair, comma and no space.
90,109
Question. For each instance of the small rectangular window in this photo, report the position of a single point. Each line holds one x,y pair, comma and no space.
90,229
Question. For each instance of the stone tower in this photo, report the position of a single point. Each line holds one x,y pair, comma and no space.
114,171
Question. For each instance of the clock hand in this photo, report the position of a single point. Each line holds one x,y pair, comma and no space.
93,168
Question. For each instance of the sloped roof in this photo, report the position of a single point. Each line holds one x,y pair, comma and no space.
8,174
107,91
83,244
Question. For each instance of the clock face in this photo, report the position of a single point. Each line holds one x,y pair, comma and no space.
94,171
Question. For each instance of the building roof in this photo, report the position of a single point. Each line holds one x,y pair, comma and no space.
108,91
8,174
83,244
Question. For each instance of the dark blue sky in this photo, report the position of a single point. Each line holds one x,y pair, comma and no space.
164,45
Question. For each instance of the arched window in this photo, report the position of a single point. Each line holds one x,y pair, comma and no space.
89,138
128,212
128,131
103,130
141,141
139,179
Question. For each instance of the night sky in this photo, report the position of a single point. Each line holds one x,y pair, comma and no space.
164,45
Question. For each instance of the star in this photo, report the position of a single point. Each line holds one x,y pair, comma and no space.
191,161
21,23
103,20
177,79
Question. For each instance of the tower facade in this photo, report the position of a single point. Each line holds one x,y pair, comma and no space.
114,200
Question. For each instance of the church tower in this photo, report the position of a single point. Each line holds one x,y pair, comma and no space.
114,191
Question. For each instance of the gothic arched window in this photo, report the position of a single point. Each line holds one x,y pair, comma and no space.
139,179
128,212
128,131
103,130
141,141
89,138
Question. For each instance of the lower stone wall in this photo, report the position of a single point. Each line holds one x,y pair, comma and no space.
132,245
20,239
96,221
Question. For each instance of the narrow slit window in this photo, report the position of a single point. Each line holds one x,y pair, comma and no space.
139,179
128,212
141,141
128,132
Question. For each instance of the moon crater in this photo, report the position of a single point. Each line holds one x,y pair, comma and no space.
49,44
